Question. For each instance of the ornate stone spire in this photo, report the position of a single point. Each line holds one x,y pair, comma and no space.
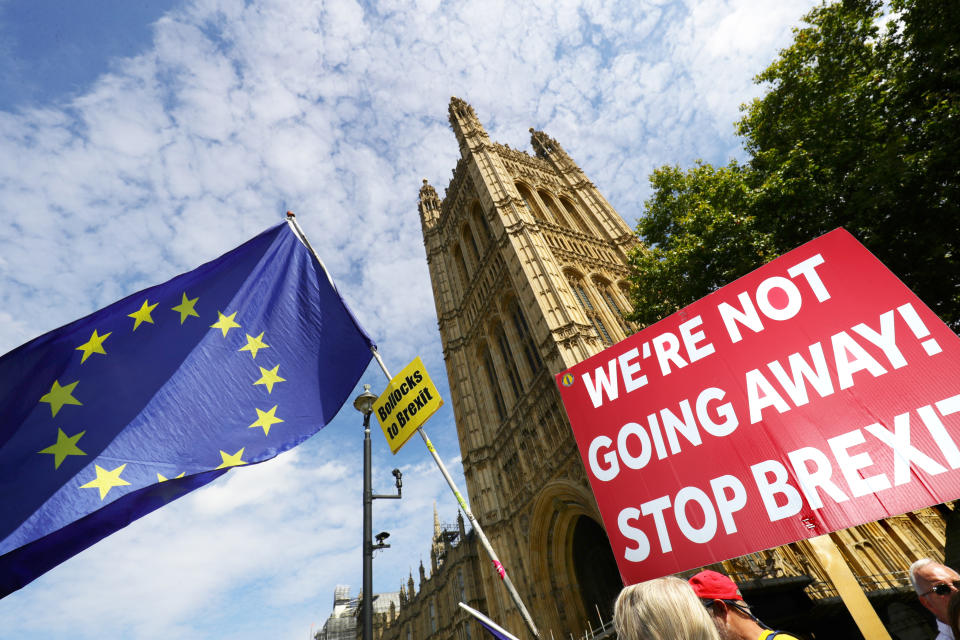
543,145
437,546
550,150
428,197
429,206
466,126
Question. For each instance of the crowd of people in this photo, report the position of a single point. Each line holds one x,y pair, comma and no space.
706,607
709,606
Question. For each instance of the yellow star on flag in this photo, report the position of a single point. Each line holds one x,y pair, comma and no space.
63,447
233,460
143,313
266,419
93,345
185,308
59,396
163,478
269,378
254,344
225,323
106,480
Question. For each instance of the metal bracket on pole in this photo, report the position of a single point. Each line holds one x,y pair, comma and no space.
501,570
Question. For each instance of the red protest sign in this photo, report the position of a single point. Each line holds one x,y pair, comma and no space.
813,394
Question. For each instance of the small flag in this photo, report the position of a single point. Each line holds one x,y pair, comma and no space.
114,415
495,630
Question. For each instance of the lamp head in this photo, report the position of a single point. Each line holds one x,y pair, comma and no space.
364,402
383,535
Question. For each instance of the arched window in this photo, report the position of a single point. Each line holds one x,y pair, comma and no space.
589,309
461,268
513,376
612,301
531,204
471,243
574,216
617,310
526,340
493,383
581,294
552,207
480,223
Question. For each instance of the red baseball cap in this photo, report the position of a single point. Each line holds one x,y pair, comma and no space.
711,585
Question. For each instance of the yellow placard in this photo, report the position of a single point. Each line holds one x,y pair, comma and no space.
409,400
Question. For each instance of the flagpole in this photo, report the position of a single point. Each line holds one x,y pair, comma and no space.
487,622
292,221
501,570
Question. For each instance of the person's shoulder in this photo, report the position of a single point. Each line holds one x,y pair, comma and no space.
776,635
945,634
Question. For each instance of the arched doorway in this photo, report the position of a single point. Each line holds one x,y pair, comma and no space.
595,568
571,561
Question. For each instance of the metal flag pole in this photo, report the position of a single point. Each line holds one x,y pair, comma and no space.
292,221
473,521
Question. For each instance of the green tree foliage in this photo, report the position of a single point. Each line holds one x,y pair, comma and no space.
698,236
859,128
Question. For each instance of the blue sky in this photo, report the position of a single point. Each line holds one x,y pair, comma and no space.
140,139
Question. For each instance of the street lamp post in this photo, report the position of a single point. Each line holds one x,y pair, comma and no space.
364,404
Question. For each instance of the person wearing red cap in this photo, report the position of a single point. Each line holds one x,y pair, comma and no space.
729,612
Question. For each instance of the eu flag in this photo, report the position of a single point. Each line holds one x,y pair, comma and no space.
492,627
118,413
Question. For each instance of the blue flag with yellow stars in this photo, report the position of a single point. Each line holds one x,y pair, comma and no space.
492,627
118,413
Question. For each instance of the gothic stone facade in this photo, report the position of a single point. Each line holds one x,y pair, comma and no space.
433,612
528,263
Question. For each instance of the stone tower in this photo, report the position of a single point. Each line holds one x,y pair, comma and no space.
528,265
